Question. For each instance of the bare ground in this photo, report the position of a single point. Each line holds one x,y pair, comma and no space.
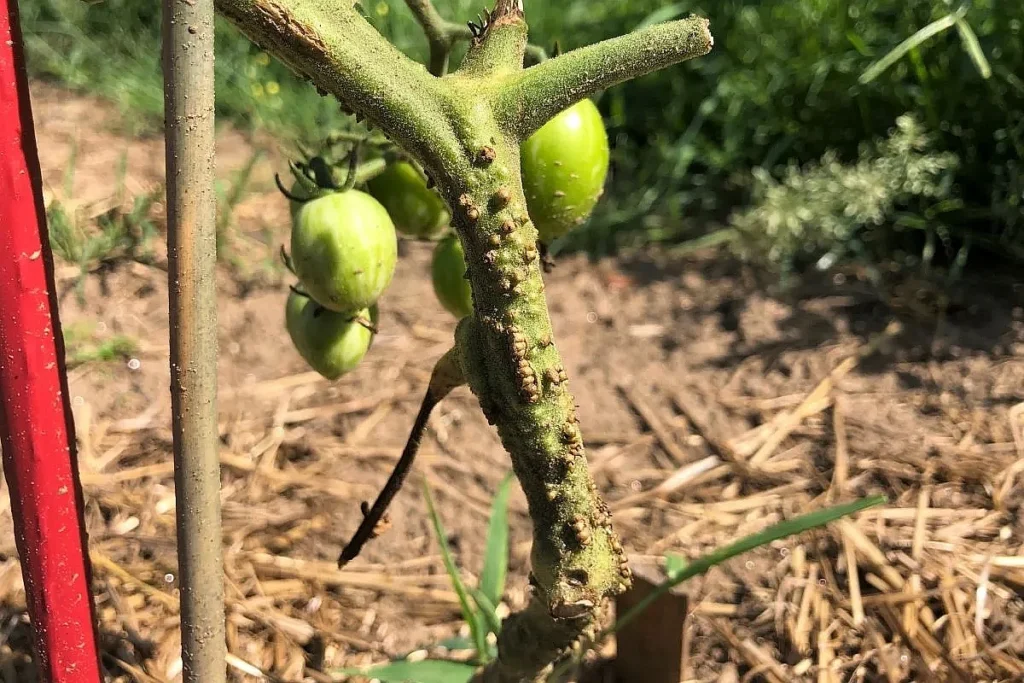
711,407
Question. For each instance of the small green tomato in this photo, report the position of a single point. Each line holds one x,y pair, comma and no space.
450,285
332,343
416,209
565,165
344,250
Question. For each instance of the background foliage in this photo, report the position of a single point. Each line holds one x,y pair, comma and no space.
780,91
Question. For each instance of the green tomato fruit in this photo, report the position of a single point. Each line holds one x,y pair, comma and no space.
332,343
448,270
416,209
344,250
565,165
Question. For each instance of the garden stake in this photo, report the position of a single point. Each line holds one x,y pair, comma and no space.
192,258
36,426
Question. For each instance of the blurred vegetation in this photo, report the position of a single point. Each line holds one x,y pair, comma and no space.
827,211
782,90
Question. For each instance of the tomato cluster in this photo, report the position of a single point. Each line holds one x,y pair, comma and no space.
344,250
344,245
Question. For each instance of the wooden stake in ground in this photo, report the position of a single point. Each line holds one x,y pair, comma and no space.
36,429
192,257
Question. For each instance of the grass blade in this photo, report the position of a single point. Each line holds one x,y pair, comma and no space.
973,47
476,628
782,530
425,671
488,610
492,577
897,53
680,570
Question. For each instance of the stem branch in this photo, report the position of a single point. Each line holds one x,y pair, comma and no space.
447,376
331,44
535,95
441,35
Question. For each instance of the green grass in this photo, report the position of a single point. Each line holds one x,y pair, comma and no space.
82,345
114,235
229,196
788,82
481,615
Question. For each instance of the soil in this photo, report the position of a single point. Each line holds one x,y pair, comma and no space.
712,404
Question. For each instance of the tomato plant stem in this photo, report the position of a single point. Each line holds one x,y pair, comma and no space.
446,376
465,130
192,254
441,34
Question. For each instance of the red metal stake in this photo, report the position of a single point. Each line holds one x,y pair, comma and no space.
35,421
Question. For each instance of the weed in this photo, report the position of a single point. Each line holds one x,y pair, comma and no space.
484,621
82,345
828,210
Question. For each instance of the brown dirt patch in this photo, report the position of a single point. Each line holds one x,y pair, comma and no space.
711,408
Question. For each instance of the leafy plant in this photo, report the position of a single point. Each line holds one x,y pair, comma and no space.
115,234
466,133
828,210
796,81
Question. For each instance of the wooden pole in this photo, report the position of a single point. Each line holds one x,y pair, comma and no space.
192,259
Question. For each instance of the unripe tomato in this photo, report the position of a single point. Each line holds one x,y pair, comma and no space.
344,250
565,165
416,209
332,343
448,270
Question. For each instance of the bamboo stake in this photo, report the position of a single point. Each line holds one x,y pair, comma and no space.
192,256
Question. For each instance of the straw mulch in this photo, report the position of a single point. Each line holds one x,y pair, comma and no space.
928,588
711,409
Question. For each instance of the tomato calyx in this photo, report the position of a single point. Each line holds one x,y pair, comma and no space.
315,177
320,310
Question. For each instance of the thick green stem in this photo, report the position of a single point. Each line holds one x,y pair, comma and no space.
511,363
